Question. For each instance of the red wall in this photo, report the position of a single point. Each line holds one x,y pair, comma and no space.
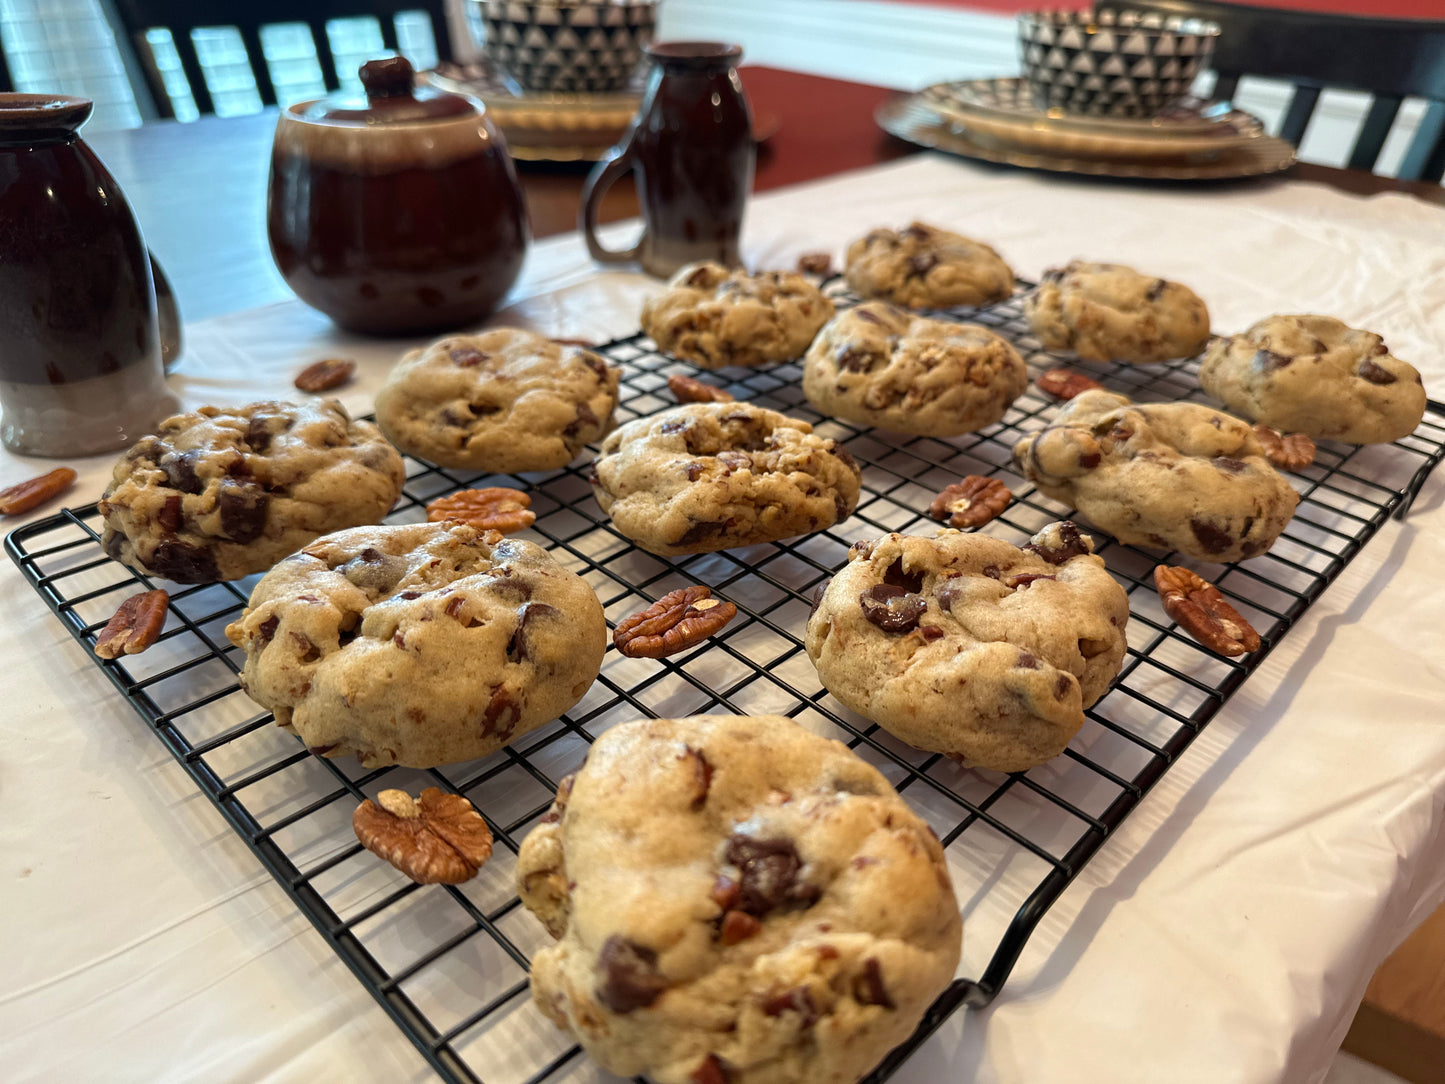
1420,9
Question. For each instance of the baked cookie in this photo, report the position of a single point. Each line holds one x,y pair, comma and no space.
924,267
1108,312
878,365
223,492
967,645
711,476
504,400
418,644
736,900
714,317
1174,476
1317,376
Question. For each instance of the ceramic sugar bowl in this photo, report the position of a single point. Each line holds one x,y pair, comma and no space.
399,214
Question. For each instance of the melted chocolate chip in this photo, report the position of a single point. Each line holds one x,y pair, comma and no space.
184,563
530,613
262,428
1267,361
584,417
266,630
699,532
1156,290
1212,538
243,511
1023,579
596,364
630,979
931,632
853,360
769,875
1375,373
797,1000
892,609
1070,545
843,454
712,1070
374,571
675,426
1229,465
841,511
895,576
1027,661
169,517
502,713
868,988
693,469
1062,684
949,593
920,265
818,593
702,777
467,356
181,473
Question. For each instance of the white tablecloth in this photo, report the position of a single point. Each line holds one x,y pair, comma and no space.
1226,933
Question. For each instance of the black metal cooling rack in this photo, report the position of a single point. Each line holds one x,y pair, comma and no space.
449,963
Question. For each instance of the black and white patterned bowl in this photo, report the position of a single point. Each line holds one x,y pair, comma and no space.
1107,63
583,46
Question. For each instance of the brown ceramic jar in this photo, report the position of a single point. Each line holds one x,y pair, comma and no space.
398,215
80,354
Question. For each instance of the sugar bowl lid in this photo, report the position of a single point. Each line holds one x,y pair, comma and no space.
392,97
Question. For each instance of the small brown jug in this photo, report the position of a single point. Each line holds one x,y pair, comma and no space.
399,214
80,353
691,146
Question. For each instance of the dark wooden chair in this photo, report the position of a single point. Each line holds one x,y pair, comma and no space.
180,17
1393,59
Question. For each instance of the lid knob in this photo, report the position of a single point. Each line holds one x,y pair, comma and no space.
389,78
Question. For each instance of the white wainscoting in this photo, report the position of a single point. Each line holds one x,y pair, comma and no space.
909,46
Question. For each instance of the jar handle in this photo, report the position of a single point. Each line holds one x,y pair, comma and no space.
604,174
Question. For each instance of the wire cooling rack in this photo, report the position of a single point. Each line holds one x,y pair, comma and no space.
449,964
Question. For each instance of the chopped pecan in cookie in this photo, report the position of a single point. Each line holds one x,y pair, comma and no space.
1202,611
437,838
675,622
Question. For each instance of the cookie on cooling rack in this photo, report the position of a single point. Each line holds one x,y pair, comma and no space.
877,365
924,267
970,646
1173,476
222,492
1317,376
712,476
714,317
1109,312
502,400
736,899
418,644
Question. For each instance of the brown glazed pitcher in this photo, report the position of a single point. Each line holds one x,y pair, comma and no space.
691,146
80,351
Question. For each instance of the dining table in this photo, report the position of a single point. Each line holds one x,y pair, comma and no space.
1225,931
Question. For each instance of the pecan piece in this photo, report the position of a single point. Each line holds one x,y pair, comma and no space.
325,374
1201,611
1287,451
1065,383
815,263
136,625
971,502
495,508
689,390
674,622
24,496
435,839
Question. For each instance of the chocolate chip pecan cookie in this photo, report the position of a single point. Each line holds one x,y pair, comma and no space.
419,644
1165,475
503,400
967,645
736,899
1317,376
924,267
1108,312
878,365
714,317
711,476
223,492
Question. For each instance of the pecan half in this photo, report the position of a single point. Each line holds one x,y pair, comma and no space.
1292,451
435,839
673,623
1065,383
136,625
495,508
971,502
24,496
689,390
325,374
1201,611
815,263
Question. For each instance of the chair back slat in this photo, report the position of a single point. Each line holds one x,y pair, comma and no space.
1392,59
1425,157
248,17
